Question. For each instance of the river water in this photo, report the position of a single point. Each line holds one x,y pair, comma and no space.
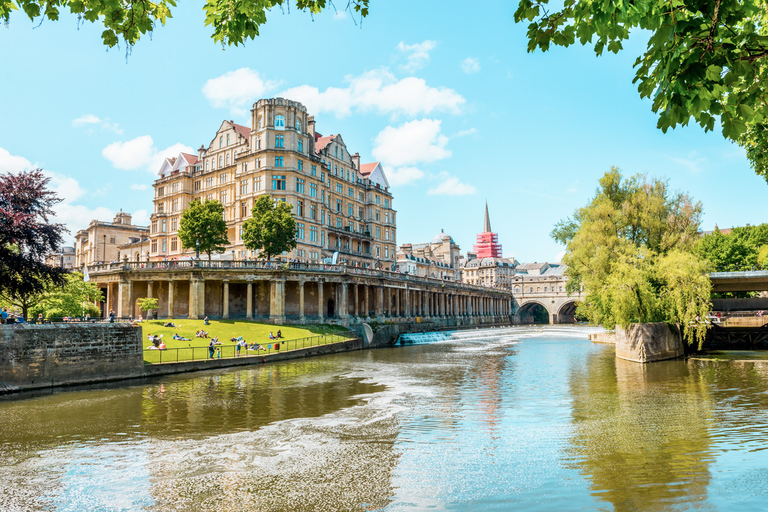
500,419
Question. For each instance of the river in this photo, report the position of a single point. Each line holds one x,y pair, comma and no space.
499,419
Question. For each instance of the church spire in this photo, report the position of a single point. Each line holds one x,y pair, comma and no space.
487,223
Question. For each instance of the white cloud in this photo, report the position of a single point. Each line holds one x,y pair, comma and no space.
92,120
141,153
410,143
66,187
139,186
559,256
464,133
470,65
380,91
13,163
398,176
237,90
691,162
140,218
339,15
451,186
418,54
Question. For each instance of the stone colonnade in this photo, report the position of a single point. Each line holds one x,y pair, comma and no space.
296,297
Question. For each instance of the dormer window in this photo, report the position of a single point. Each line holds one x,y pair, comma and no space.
279,122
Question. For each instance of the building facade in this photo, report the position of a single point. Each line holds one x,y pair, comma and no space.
100,241
439,258
343,209
63,259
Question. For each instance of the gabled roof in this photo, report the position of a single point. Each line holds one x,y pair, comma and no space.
242,130
367,169
322,142
191,159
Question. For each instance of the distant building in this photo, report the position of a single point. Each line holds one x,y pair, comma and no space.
439,258
63,259
101,241
487,245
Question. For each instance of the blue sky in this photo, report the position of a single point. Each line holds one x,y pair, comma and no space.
445,96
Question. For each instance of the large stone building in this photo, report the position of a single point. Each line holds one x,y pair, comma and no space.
101,241
343,209
439,258
65,258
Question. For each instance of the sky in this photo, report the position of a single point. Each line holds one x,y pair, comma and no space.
445,96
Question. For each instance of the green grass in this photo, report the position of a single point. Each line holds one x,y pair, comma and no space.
294,337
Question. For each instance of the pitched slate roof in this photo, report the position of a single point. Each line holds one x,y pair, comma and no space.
242,130
322,142
367,169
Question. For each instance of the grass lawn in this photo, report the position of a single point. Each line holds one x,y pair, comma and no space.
294,337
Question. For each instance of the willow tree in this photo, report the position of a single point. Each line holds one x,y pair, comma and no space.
631,249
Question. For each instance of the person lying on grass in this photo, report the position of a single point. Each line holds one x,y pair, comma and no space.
180,338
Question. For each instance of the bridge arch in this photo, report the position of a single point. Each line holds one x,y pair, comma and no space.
566,314
533,312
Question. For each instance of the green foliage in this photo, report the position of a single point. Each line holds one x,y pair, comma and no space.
737,250
705,60
631,250
148,303
204,224
232,22
75,298
271,228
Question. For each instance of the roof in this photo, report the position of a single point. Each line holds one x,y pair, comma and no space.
322,142
242,130
191,159
367,169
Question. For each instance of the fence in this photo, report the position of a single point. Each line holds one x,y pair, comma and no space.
225,350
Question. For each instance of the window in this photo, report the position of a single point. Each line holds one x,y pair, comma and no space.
164,242
339,188
312,234
197,185
386,203
313,190
174,244
175,205
378,200
220,162
298,126
378,232
209,182
386,234
300,185
279,141
347,174
342,154
223,197
279,122
350,209
377,216
300,208
206,164
175,187
338,222
301,145
313,170
227,158
174,224
112,240
153,246
360,196
243,209
221,142
160,191
360,212
312,211
261,122
278,161
335,170
350,192
227,139
300,165
336,151
162,224
245,167
278,182
256,184
243,187
300,231
223,178
154,227
338,205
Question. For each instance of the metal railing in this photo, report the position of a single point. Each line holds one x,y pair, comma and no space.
228,350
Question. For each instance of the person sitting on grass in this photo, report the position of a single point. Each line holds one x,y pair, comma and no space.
162,345
279,334
206,322
168,324
271,336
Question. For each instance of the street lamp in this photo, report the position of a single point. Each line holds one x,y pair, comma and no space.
104,250
197,248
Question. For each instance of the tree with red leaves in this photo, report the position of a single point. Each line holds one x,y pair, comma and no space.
26,236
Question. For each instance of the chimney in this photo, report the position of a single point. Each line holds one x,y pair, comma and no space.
356,161
311,126
201,152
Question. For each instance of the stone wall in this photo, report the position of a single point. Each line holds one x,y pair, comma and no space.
645,343
41,356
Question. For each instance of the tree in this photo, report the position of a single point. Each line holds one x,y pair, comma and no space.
148,304
73,298
271,228
26,236
232,22
705,60
203,227
737,250
631,249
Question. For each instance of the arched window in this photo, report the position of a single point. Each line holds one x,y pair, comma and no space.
279,122
227,158
517,289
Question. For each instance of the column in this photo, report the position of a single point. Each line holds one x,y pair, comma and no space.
320,308
249,301
225,313
122,294
407,302
366,304
379,300
193,296
344,302
442,304
149,289
201,298
277,301
301,301
356,311
170,299
397,302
